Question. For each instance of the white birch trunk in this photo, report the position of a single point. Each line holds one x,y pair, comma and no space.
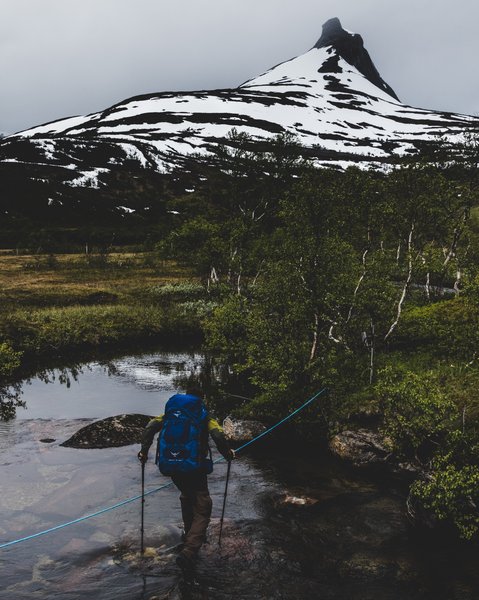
356,290
371,354
314,346
406,284
457,282
455,239
238,283
331,336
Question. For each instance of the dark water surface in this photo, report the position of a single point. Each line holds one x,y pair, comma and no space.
298,526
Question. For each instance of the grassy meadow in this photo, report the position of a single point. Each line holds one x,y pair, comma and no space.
56,305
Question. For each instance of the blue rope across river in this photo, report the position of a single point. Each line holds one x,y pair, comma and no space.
162,487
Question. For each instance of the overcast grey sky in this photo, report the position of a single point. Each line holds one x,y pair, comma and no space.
66,57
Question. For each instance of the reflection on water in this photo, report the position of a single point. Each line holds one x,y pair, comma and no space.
155,372
131,384
43,484
7,434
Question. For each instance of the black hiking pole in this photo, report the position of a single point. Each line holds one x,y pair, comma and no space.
142,547
224,501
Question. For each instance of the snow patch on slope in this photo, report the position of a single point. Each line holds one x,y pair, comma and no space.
318,97
88,178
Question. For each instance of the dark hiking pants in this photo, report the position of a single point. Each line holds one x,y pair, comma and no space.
195,507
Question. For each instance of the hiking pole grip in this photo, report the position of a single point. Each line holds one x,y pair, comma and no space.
142,547
224,501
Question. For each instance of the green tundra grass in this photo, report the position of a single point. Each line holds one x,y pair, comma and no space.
55,305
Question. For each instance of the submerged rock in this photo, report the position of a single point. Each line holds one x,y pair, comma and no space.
367,568
121,430
242,431
299,500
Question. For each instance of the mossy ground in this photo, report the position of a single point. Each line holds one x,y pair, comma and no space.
58,304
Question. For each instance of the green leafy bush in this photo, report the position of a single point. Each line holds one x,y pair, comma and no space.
179,292
9,360
42,262
198,308
9,394
60,330
448,328
451,492
417,413
225,331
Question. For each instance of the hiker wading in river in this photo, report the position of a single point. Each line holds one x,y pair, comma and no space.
183,453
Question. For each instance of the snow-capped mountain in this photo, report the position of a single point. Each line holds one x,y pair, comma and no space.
331,98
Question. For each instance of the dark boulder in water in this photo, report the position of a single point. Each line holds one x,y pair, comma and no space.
121,430
124,430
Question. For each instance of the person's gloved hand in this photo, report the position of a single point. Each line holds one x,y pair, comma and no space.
142,457
231,455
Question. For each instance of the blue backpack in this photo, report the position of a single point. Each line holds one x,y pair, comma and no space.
183,440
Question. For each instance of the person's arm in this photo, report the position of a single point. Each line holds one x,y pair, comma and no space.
153,427
216,432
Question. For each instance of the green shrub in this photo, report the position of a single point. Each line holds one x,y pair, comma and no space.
451,492
416,411
225,331
97,261
62,329
9,394
9,360
179,292
41,262
198,308
448,328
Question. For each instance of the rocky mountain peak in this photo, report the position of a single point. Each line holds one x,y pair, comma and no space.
350,47
333,32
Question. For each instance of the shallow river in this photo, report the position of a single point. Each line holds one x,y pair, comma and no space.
298,526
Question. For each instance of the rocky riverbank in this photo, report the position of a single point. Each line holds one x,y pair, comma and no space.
124,430
298,526
362,449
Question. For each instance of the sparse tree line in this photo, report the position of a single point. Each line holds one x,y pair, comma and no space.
333,278
366,282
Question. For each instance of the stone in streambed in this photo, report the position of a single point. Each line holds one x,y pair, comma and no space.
366,568
100,537
124,430
293,500
242,431
74,546
121,430
362,448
